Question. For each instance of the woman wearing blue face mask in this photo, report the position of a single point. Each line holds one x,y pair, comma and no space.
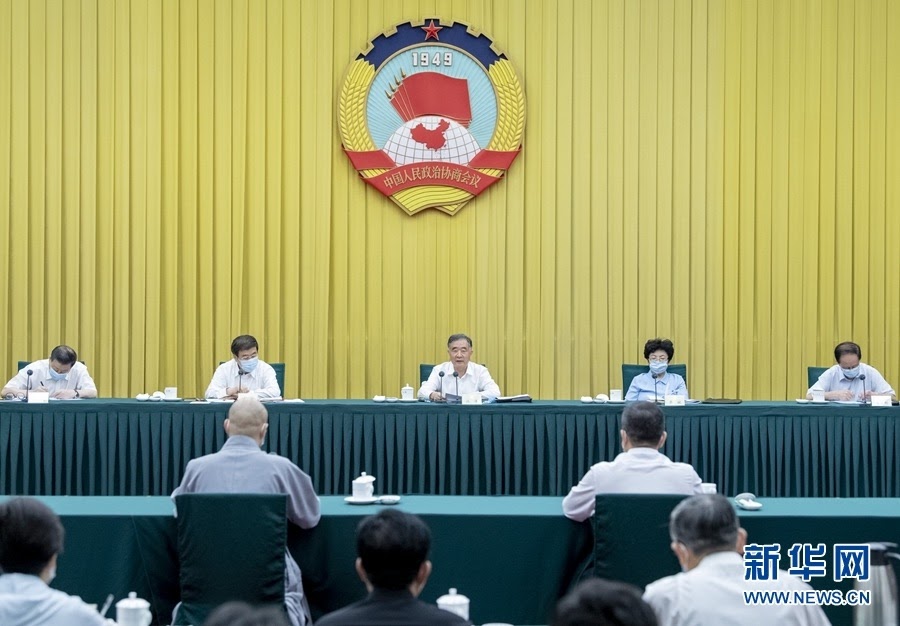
245,372
656,384
851,379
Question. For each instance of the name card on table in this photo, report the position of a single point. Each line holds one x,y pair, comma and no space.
881,401
38,397
674,400
472,398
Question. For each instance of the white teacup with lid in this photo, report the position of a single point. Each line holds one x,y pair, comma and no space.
133,611
363,487
406,392
454,603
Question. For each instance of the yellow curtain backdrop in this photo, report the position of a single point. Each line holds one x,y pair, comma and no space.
723,173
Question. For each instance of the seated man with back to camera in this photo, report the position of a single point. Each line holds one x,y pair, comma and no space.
709,543
244,373
31,540
656,384
62,375
641,468
241,467
850,378
459,375
392,561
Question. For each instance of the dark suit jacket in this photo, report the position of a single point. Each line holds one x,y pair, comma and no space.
384,607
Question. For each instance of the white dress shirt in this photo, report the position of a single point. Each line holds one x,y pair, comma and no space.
833,379
27,600
261,380
712,593
645,387
476,378
76,378
640,470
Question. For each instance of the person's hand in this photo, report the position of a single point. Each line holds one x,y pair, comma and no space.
843,394
434,396
63,394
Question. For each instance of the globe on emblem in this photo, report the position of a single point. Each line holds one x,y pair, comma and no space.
431,138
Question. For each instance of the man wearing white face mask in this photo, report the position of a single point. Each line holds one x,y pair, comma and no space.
245,372
31,538
61,375
655,385
850,379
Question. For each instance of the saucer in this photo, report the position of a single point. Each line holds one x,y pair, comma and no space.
388,499
801,401
352,500
379,399
171,399
409,400
391,399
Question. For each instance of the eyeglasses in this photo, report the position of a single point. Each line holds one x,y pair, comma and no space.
659,359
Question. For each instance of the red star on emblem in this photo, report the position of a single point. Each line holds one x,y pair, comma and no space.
431,31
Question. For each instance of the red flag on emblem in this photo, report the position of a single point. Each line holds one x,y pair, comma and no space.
430,93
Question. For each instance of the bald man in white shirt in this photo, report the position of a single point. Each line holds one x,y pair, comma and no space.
641,468
709,543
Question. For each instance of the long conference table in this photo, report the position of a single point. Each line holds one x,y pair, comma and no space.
774,449
512,556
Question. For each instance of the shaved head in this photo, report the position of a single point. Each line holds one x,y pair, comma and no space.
247,416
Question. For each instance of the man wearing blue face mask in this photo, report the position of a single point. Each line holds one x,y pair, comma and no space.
244,373
850,379
61,375
655,385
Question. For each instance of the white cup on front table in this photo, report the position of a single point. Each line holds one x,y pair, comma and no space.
406,393
171,392
363,487
133,611
708,488
818,396
454,603
615,395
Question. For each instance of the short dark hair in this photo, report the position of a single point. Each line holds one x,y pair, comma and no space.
653,345
599,602
30,534
704,524
457,337
847,347
392,546
243,342
64,355
644,423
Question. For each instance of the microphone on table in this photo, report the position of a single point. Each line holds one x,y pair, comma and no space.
240,379
656,386
456,376
28,384
862,377
441,390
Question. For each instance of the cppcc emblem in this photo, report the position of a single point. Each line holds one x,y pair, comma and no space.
431,115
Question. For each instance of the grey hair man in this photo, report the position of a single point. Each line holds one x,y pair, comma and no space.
709,543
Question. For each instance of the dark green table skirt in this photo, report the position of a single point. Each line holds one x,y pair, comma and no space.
123,447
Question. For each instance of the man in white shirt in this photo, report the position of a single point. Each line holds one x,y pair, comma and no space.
459,376
31,538
641,468
709,542
61,375
850,379
245,372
